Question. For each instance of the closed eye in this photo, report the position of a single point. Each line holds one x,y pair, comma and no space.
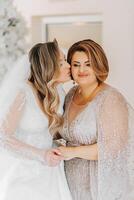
75,65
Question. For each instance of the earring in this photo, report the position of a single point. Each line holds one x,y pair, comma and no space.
73,82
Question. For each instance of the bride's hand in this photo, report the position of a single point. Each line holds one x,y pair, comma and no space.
53,157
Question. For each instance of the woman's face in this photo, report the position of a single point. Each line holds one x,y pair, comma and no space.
65,73
81,69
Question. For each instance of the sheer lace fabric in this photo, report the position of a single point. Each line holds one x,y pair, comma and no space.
10,137
23,132
24,129
109,121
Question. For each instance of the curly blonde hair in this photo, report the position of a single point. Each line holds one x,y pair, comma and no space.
44,59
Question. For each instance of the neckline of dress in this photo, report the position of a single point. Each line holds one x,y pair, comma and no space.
84,107
106,86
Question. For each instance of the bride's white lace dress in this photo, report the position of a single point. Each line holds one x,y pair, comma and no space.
23,175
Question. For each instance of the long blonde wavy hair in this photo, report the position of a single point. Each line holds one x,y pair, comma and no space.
44,60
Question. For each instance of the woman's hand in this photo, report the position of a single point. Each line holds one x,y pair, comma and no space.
88,152
67,152
53,157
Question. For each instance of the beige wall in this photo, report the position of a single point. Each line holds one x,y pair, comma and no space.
52,7
118,39
118,32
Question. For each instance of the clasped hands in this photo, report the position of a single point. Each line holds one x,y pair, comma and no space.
53,157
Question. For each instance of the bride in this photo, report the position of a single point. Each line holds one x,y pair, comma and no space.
31,101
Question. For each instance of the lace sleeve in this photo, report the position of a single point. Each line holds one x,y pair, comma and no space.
8,127
113,137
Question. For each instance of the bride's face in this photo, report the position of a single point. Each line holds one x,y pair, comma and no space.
64,72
